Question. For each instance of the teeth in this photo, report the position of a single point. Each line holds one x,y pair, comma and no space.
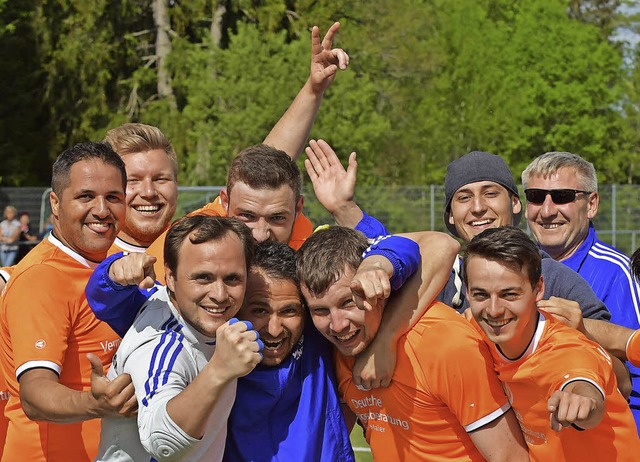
147,208
550,225
346,338
493,323
99,227
272,345
214,310
480,222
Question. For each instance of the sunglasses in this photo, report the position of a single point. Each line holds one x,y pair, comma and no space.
558,196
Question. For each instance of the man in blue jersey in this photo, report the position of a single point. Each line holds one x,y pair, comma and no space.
562,198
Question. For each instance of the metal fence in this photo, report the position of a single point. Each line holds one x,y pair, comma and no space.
400,208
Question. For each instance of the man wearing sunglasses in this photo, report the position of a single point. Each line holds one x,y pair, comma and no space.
562,199
480,193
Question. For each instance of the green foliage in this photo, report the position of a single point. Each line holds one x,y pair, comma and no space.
428,81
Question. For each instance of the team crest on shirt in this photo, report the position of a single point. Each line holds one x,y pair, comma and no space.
40,344
297,351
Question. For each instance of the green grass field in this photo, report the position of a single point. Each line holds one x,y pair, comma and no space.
360,446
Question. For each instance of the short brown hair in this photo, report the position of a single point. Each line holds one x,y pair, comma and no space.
131,138
201,228
509,246
83,151
264,167
322,259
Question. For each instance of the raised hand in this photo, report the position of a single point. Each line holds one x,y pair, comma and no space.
325,60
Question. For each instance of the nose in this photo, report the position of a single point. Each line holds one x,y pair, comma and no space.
101,207
147,188
477,205
218,292
548,207
338,322
493,308
274,327
261,231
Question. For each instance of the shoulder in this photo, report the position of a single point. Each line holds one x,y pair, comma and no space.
443,333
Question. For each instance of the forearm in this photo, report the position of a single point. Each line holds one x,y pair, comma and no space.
44,399
192,407
609,336
292,130
348,215
408,305
113,303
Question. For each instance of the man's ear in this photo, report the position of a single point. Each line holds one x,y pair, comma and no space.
516,204
170,279
299,205
224,200
54,200
539,289
594,202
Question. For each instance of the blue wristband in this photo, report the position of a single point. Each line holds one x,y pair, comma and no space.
403,253
371,227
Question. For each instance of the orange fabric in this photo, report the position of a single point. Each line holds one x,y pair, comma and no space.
302,229
4,422
44,317
561,354
4,390
633,349
443,382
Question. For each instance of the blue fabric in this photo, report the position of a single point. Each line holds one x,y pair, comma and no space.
290,412
371,227
298,416
112,303
606,269
403,253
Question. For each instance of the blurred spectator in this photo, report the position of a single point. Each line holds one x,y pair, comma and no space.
9,234
47,228
27,235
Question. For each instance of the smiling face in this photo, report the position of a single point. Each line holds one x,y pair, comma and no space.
269,213
339,320
560,229
87,212
274,307
482,205
152,196
503,303
209,282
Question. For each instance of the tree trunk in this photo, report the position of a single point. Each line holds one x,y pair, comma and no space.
163,49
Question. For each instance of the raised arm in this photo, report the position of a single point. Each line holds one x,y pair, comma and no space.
118,288
374,367
292,130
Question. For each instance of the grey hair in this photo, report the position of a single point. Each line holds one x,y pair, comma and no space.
549,163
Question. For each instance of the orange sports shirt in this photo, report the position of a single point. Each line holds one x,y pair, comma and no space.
556,356
302,229
46,323
443,387
633,349
5,273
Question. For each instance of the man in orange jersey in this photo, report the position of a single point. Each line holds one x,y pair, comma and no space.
561,385
263,191
444,402
48,330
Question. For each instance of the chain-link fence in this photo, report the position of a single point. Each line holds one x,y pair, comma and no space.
407,208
